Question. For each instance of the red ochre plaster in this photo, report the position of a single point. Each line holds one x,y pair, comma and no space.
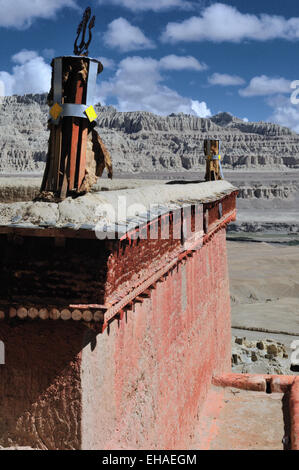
144,383
139,385
262,383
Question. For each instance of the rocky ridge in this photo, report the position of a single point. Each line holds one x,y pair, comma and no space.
23,133
143,142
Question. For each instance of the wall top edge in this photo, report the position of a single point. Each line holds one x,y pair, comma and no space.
119,208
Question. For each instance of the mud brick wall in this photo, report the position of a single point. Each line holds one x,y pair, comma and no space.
34,270
144,383
40,385
140,384
218,211
143,252
134,260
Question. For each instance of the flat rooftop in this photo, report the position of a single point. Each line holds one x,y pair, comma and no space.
118,202
235,419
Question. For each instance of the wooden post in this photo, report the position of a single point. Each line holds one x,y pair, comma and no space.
213,160
66,161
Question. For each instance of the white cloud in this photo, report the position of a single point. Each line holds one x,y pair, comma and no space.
245,119
24,56
31,75
107,63
220,22
126,37
284,113
266,86
287,116
144,5
2,91
200,109
174,62
21,13
224,79
138,86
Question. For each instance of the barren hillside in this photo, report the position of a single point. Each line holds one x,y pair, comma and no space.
144,142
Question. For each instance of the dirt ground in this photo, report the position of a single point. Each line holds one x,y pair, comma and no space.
264,283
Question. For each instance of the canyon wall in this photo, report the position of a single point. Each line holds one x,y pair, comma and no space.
143,142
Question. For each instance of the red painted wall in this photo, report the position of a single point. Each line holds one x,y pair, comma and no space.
144,383
40,385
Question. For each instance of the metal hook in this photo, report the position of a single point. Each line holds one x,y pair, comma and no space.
82,49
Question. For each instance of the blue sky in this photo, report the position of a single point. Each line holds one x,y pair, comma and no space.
164,56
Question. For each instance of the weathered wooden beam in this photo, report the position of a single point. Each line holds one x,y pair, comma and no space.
82,157
67,153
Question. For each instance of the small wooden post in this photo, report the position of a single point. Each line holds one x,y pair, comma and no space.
213,160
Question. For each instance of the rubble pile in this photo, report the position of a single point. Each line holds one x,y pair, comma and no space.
259,357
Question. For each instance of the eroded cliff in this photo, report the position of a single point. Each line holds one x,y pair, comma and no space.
144,142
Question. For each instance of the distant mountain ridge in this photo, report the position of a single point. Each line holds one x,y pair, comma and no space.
144,142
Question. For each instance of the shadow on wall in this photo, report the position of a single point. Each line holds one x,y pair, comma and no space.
40,384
